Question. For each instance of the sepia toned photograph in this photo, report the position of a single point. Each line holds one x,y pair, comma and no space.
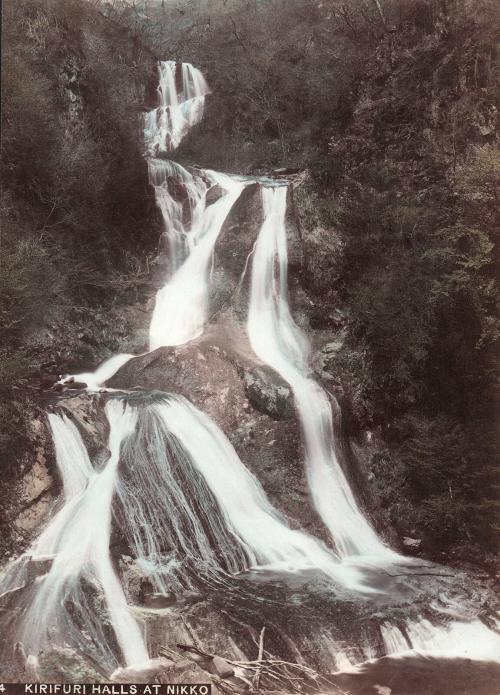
250,347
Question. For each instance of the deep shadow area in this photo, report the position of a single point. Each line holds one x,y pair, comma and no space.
421,675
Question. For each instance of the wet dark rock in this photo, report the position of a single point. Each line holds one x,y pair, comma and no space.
38,566
177,189
213,194
47,380
9,597
221,291
295,247
268,392
239,231
412,545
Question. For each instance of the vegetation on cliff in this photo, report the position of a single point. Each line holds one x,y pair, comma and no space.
75,196
415,196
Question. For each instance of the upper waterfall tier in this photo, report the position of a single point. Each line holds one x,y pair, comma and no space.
182,91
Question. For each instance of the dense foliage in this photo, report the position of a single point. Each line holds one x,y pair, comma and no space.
417,202
75,203
75,195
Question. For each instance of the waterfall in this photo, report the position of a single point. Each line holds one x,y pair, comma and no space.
277,340
190,511
78,538
72,459
457,640
177,211
265,539
75,470
181,307
181,486
181,106
191,226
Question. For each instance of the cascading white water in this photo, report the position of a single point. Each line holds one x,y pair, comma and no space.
75,470
78,538
104,372
181,106
457,640
72,459
181,308
183,486
191,226
179,212
277,340
267,539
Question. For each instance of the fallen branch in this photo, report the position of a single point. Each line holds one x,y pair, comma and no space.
278,671
256,678
191,633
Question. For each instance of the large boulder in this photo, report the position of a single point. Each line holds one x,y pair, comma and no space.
263,430
201,373
268,392
240,230
213,194
236,242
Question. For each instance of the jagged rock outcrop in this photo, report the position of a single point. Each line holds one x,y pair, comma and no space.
239,232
